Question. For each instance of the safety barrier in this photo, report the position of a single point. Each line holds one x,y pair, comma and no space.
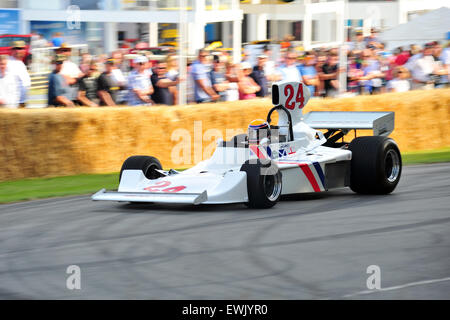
57,141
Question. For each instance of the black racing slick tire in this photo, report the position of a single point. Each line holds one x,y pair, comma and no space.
264,183
376,165
145,163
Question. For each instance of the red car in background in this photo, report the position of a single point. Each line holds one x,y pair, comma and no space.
6,41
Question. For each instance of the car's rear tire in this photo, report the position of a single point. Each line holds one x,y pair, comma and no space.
264,184
147,164
376,165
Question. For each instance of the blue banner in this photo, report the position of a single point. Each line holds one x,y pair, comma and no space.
9,21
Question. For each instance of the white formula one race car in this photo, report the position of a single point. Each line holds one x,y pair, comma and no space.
273,160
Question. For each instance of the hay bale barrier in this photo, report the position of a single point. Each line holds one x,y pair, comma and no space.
59,142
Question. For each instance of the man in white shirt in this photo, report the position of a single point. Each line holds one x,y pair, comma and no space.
70,71
289,71
18,68
422,68
9,84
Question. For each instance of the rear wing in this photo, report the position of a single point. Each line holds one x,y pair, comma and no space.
382,123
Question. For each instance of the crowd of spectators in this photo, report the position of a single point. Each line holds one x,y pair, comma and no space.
212,76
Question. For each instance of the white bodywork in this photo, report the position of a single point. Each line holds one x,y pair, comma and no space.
220,180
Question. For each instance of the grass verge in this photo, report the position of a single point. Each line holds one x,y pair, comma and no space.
28,189
428,156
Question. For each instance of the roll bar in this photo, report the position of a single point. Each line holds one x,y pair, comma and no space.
280,107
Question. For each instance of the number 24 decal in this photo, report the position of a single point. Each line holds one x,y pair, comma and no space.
289,92
162,187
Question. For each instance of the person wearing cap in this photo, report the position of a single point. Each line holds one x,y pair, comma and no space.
59,93
17,67
139,84
9,84
203,89
88,87
372,38
247,86
259,76
359,44
108,86
70,70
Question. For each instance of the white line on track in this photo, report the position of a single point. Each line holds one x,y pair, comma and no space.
411,284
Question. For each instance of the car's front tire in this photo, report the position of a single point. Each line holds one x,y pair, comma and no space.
147,164
376,165
264,184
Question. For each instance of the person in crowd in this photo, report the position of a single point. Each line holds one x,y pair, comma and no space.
270,70
259,76
172,67
57,39
139,84
232,76
424,68
88,87
247,86
119,77
321,59
38,41
9,85
309,73
400,56
372,78
354,74
442,80
70,71
218,78
289,71
59,93
119,61
400,82
203,89
108,87
162,84
190,95
173,73
329,75
372,39
445,59
85,63
18,68
359,44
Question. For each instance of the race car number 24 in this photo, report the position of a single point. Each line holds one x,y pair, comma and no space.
289,92
163,186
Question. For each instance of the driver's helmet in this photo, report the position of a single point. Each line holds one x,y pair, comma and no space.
258,130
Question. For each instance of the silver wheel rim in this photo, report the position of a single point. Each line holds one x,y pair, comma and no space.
392,165
272,186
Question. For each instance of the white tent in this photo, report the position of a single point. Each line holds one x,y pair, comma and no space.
433,25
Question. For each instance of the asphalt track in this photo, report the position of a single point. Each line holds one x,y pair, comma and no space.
309,247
